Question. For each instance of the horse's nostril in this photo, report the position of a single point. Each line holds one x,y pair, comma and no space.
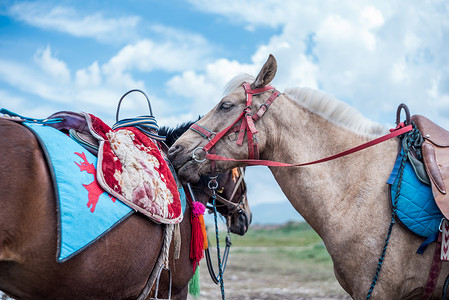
174,150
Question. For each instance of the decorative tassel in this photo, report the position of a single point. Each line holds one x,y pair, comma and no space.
203,230
194,284
197,240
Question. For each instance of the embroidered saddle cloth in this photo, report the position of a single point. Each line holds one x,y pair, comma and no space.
132,168
416,207
85,211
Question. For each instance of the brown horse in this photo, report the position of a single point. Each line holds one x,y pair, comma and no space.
117,266
344,200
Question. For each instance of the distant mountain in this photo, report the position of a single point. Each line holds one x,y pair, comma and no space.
277,213
274,213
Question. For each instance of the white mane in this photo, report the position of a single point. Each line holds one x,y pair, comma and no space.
335,111
330,108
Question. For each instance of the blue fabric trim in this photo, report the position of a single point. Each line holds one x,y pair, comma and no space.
79,224
432,238
416,208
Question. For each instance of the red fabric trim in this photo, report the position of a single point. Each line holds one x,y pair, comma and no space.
99,126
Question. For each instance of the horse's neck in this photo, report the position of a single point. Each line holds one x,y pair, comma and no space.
335,196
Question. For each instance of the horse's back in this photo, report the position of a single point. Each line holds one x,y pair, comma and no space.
114,267
24,177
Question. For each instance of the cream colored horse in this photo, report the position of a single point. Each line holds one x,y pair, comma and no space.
345,200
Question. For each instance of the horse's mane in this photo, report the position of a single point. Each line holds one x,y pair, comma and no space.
323,104
172,134
335,111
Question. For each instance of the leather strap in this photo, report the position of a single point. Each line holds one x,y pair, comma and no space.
202,131
269,163
434,272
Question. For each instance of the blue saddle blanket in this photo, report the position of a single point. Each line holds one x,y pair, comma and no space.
416,207
85,211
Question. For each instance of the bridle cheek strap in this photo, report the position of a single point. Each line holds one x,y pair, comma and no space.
247,125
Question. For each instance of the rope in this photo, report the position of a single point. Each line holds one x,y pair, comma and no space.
210,267
220,267
13,115
410,137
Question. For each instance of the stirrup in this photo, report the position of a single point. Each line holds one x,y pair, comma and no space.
157,284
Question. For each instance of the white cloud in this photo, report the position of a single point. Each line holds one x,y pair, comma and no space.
253,13
168,55
68,20
371,17
89,76
32,80
361,52
51,65
205,89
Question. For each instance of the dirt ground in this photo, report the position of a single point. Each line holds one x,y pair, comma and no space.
268,274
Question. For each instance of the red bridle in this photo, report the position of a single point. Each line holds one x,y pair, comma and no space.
247,126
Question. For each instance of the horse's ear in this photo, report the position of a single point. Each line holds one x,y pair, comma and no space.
266,74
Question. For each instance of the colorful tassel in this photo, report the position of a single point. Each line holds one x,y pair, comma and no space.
203,230
198,229
194,284
196,243
198,209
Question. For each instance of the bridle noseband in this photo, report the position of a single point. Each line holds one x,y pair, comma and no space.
233,206
247,125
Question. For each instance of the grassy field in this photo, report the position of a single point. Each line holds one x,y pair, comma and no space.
275,262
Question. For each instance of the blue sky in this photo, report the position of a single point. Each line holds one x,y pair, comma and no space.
83,55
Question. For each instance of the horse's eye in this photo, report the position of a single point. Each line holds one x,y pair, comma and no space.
226,106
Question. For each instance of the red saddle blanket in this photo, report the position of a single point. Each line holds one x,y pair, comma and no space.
132,168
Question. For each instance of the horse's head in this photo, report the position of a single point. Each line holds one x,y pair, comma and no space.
231,200
229,128
230,189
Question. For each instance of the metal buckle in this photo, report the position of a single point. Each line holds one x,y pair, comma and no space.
196,157
213,183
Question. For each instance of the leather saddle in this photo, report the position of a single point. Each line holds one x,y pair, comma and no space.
75,125
435,152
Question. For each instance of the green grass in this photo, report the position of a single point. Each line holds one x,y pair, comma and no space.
294,241
292,234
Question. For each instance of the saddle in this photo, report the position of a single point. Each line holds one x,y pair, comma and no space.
159,197
435,153
75,125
